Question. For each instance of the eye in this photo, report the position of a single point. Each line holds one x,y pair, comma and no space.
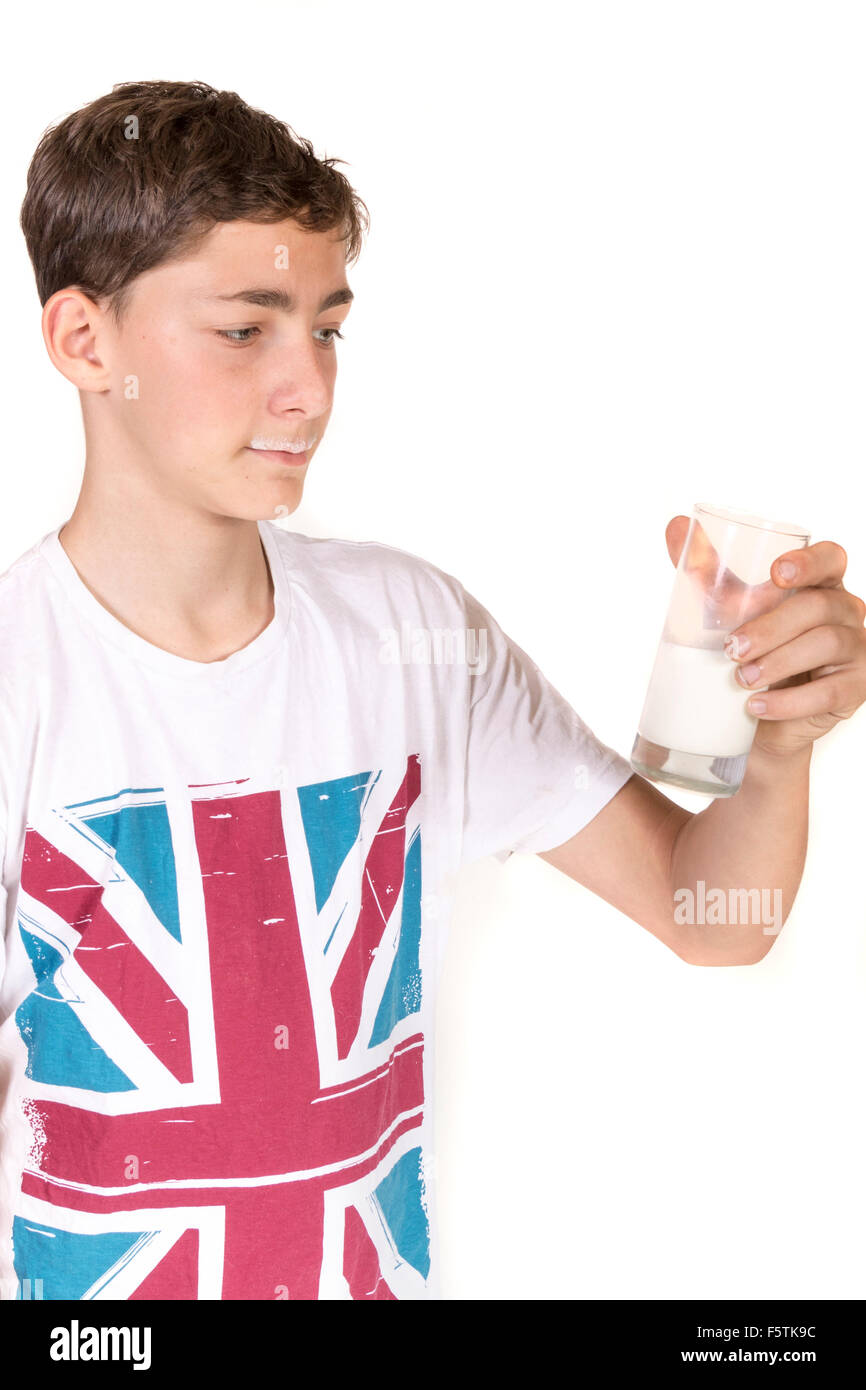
335,331
232,335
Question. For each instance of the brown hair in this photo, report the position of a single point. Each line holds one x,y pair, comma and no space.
101,208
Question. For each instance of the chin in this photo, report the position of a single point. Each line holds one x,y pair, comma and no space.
271,506
281,510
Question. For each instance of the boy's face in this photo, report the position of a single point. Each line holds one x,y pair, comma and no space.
222,360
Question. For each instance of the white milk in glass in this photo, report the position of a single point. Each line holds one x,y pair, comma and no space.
695,704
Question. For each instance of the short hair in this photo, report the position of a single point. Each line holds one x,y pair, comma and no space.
101,208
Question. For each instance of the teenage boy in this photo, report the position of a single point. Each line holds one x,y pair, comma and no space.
233,809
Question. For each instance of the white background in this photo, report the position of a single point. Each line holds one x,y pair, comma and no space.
615,266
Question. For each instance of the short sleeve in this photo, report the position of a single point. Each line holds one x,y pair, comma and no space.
535,773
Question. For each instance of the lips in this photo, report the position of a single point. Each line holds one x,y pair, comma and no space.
283,456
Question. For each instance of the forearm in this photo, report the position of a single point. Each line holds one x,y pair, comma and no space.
736,866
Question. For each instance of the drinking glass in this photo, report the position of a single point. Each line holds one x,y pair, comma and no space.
695,730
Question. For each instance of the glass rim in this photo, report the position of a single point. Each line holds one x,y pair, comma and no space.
758,523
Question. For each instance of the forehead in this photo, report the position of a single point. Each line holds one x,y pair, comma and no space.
275,253
231,239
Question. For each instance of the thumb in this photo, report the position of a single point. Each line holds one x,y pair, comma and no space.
729,600
675,535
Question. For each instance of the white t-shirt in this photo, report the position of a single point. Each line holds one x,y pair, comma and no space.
227,888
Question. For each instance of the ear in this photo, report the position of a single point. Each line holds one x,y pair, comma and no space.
74,329
675,535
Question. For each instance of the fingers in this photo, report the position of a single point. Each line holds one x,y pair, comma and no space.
837,695
835,645
807,609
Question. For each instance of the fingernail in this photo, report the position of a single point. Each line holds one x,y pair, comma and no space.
787,569
749,674
757,706
735,647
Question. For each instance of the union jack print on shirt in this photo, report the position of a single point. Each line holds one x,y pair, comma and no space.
225,1057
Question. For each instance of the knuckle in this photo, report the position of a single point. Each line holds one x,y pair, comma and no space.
837,638
827,604
833,691
848,641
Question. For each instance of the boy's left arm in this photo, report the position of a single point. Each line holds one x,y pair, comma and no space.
642,848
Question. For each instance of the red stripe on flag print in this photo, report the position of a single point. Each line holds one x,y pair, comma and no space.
107,955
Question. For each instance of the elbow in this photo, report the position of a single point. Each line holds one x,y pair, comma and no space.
693,952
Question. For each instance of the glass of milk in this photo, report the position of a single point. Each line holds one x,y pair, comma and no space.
695,730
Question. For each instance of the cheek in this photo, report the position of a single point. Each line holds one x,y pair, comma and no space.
187,386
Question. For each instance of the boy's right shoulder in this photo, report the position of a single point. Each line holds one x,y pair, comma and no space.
26,630
20,585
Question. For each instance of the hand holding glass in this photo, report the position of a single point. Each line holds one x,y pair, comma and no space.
695,730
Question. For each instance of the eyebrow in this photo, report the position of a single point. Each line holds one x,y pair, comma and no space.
281,299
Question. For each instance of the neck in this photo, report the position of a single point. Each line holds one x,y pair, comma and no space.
188,580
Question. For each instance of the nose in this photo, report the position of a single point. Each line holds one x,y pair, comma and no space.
305,381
